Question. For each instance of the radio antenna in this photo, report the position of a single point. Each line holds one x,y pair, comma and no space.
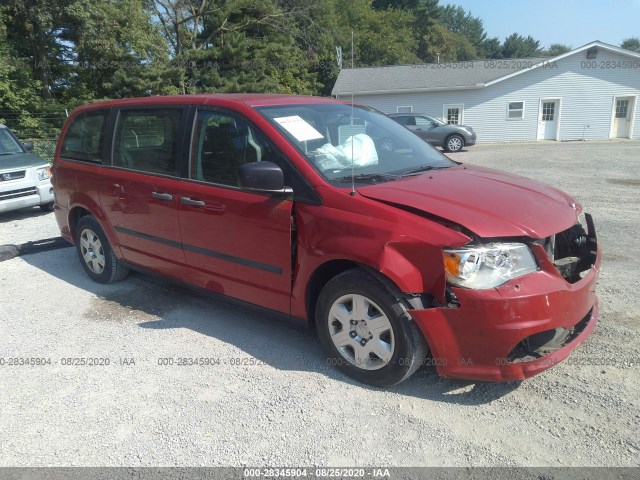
353,176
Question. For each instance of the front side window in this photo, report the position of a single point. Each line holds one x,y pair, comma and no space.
148,140
85,136
336,138
223,141
426,122
221,144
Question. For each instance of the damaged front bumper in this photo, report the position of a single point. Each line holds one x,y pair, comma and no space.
514,331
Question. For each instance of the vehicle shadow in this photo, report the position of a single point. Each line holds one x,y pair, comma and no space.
32,212
277,340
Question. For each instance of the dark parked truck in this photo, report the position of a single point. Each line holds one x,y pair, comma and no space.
399,258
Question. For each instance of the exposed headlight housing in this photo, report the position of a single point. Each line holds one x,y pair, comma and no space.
43,173
487,266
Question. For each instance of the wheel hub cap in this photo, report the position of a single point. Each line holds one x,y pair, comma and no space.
91,250
361,332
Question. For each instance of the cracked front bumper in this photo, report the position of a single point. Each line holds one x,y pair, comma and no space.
474,341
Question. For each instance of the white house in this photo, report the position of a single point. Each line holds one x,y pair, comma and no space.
590,93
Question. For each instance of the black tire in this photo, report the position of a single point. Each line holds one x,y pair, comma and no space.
409,347
454,143
105,267
47,207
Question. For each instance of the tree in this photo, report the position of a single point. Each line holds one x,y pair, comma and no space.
447,46
457,20
491,48
117,51
235,45
556,49
632,44
32,27
517,46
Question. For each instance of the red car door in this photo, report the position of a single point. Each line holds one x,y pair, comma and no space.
238,243
139,192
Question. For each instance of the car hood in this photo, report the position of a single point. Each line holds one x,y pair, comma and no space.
487,202
20,160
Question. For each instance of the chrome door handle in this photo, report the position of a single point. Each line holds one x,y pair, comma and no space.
194,203
162,196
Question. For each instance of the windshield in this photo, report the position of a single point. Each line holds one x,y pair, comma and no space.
8,144
333,141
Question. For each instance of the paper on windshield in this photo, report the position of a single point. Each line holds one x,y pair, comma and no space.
299,128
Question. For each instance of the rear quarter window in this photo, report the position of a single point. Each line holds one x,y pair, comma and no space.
84,138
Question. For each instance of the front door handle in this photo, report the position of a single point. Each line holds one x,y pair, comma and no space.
193,203
162,196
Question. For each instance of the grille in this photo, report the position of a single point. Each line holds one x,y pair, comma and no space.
22,192
6,176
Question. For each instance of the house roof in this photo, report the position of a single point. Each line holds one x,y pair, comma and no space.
447,75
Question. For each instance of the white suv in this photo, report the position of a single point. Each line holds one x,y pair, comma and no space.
24,176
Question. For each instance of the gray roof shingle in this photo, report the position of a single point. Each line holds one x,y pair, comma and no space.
428,76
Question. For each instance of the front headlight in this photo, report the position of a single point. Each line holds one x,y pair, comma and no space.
488,266
44,173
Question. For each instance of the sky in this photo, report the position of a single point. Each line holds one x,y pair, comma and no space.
570,22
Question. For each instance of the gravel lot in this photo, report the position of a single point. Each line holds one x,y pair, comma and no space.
282,405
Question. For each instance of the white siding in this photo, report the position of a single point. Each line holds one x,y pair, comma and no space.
587,99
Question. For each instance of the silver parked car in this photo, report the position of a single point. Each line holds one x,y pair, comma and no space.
452,138
24,176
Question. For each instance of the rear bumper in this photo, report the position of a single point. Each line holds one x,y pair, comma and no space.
476,341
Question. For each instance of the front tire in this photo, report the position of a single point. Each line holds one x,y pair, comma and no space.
96,254
366,330
454,143
47,207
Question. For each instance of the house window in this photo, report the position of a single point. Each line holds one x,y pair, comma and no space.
407,109
548,111
515,110
622,107
452,114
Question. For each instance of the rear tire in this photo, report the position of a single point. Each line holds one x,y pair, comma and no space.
367,332
95,252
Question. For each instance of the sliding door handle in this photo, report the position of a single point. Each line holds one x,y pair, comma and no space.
193,203
162,196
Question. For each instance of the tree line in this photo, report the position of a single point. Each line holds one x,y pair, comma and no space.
57,54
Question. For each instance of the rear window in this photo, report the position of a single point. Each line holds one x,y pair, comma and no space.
85,136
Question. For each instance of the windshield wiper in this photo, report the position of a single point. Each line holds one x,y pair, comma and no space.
367,176
424,168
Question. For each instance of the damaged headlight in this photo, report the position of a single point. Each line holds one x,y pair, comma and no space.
488,266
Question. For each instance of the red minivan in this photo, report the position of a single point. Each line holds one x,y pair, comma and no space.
398,257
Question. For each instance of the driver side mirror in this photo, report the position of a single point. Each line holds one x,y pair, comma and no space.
28,146
262,177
